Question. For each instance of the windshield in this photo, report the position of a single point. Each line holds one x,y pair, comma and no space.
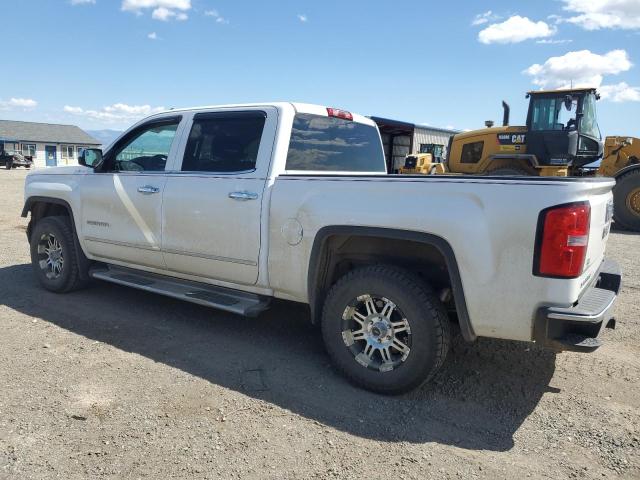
589,122
551,113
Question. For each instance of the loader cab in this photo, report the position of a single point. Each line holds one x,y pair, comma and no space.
562,127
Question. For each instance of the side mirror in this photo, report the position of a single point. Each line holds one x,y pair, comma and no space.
91,157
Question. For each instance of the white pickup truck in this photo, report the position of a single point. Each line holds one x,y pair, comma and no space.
231,206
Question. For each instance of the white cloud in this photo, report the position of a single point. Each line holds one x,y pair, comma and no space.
164,14
514,30
486,17
581,68
152,36
163,10
116,113
82,2
215,14
74,110
133,5
598,14
23,103
548,41
303,18
620,92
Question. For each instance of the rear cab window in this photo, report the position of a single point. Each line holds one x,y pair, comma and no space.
328,144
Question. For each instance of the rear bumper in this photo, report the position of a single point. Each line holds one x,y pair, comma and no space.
577,328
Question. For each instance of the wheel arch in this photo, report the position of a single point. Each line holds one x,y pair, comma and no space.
324,263
496,161
41,207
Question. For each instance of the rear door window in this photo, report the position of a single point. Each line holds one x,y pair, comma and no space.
224,142
321,143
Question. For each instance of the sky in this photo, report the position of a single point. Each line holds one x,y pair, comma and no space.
107,63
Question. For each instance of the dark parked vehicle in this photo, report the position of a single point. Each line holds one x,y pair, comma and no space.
15,159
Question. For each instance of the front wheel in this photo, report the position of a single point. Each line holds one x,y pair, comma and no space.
54,257
8,165
385,329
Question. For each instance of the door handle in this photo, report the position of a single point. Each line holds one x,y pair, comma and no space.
148,189
243,196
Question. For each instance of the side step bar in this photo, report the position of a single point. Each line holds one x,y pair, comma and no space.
241,303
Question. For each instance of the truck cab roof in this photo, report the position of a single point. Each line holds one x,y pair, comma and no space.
298,107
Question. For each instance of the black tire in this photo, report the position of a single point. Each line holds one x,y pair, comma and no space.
414,300
69,277
626,201
509,171
8,165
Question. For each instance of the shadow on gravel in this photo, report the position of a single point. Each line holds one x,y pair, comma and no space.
478,401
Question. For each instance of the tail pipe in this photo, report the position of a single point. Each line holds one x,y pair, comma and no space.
505,117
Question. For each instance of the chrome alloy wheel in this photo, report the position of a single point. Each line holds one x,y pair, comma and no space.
51,259
376,332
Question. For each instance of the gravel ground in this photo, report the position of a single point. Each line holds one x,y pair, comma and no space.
111,382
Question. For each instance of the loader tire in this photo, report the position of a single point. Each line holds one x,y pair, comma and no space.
626,201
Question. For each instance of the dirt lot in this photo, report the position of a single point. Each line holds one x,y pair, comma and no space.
112,382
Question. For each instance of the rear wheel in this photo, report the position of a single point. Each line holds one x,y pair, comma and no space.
54,257
385,329
626,196
9,164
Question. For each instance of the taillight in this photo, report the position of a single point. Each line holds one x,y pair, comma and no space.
563,238
337,113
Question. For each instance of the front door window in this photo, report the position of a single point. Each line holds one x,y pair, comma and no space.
145,150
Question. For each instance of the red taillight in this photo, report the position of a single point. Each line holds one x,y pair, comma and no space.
562,243
337,113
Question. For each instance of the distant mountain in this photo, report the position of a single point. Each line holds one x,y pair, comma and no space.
104,136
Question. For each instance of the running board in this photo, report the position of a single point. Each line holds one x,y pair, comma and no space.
234,301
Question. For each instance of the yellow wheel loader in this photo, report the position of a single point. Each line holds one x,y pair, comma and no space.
561,138
422,164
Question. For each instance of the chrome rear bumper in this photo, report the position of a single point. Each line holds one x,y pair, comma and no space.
576,328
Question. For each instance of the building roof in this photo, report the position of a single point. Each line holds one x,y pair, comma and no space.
399,127
12,130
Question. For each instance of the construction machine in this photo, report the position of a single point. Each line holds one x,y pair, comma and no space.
561,138
422,164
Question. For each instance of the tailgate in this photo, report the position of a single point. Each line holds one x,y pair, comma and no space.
601,201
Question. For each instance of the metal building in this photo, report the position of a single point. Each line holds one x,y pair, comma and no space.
402,138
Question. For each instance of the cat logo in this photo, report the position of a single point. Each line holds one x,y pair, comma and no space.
512,139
